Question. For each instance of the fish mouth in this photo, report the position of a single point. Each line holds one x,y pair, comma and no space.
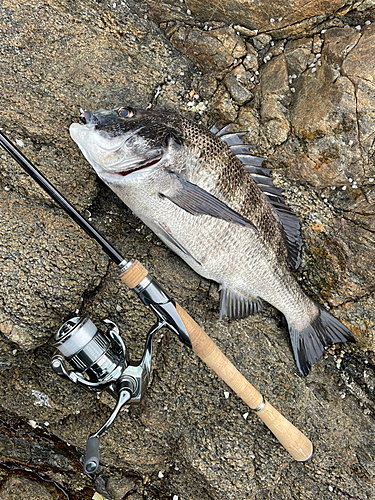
143,164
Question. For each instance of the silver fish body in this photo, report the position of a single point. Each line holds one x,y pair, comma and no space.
191,188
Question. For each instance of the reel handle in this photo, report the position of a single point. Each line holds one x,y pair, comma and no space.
91,462
296,443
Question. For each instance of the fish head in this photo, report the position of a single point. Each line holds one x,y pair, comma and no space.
123,142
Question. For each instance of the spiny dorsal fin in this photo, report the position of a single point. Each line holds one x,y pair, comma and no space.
261,176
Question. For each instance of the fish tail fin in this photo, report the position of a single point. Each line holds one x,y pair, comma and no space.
308,344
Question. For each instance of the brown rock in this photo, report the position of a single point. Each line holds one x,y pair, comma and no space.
274,79
274,115
248,120
16,487
359,66
338,42
325,115
237,89
361,53
250,62
267,15
223,105
213,50
297,53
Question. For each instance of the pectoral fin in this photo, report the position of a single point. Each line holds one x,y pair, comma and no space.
168,238
197,201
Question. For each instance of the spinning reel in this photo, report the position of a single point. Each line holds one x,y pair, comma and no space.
99,363
99,360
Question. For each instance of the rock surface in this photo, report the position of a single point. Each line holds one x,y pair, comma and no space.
303,87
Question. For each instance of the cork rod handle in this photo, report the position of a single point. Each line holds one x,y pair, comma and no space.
296,443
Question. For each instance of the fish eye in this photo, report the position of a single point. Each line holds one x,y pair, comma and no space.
126,112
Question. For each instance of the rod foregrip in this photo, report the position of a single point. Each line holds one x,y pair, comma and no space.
296,443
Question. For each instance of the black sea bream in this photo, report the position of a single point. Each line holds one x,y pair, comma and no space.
210,201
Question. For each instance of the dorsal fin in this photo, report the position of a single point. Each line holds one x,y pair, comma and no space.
253,164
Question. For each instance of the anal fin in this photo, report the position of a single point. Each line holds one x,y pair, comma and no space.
237,307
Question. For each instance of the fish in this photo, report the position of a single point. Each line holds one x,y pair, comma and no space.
212,202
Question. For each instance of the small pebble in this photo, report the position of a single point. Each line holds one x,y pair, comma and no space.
245,415
160,475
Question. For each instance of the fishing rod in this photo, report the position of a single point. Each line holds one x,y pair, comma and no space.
98,357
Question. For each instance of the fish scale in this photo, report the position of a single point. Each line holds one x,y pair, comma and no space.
217,210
